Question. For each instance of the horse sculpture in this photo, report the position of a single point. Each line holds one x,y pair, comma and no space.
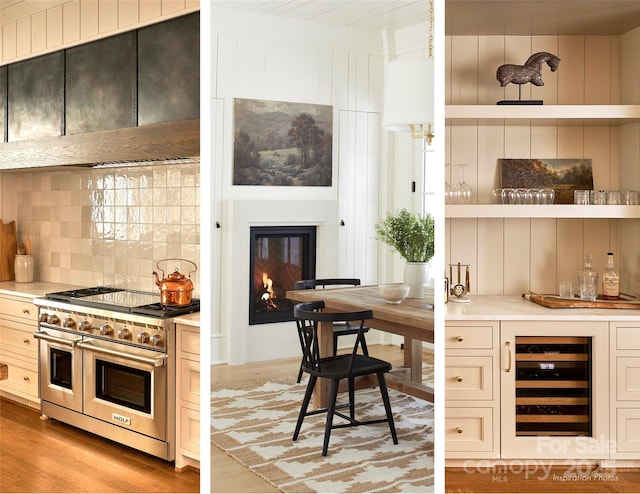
529,72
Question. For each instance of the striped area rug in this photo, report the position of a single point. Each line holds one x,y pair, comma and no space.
254,422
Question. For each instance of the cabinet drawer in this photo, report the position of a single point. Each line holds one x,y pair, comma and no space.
628,378
468,378
628,428
189,423
21,380
468,429
190,381
189,342
19,308
627,337
468,337
14,339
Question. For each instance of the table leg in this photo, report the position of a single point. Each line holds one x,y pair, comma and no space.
325,342
413,358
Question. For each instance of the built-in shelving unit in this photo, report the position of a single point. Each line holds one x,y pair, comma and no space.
539,211
542,114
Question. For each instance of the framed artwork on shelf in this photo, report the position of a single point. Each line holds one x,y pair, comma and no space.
562,175
278,143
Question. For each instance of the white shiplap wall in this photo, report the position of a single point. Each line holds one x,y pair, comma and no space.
512,255
30,28
266,57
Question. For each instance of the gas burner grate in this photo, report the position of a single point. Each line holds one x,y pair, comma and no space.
167,311
81,292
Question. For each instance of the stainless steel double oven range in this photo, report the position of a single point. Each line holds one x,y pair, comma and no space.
107,364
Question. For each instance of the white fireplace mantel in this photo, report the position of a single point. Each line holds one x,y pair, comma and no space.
245,343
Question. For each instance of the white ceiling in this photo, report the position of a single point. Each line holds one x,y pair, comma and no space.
369,15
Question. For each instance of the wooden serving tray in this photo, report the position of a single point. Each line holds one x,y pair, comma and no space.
554,301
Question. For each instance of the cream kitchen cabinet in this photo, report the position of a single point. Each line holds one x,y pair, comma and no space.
625,390
18,349
187,393
472,427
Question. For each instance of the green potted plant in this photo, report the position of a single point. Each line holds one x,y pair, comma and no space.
412,236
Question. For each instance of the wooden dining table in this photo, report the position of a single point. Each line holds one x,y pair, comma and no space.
412,319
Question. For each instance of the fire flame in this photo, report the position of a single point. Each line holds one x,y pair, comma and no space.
269,293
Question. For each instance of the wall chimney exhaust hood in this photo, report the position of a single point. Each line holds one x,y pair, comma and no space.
163,143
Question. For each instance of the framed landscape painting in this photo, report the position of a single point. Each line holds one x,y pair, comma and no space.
562,175
282,143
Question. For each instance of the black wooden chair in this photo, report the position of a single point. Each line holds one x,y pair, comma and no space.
338,329
348,366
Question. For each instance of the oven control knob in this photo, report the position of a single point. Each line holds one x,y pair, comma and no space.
53,319
44,317
143,337
124,334
85,326
156,339
69,323
106,330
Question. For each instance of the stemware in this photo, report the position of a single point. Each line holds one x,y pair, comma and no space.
462,191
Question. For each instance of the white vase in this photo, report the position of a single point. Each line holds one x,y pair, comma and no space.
23,268
416,275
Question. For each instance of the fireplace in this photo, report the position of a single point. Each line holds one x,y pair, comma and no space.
279,256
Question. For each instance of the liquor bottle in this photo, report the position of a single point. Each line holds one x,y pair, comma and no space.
610,280
588,280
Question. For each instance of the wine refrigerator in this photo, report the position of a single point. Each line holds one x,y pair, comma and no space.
554,375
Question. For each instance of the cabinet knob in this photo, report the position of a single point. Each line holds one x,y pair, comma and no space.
459,379
459,339
26,311
459,430
25,378
26,340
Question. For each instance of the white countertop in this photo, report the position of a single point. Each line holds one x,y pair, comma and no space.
514,308
192,319
33,289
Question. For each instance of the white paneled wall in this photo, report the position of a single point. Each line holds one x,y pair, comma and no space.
512,255
264,57
29,28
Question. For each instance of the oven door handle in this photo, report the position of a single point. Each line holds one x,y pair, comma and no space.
153,362
43,335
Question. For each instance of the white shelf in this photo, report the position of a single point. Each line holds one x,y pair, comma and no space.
539,211
542,114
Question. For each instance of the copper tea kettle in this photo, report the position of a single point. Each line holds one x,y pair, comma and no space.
175,289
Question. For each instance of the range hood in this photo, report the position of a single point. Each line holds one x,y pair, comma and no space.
167,142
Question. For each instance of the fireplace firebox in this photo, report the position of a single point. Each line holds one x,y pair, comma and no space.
279,256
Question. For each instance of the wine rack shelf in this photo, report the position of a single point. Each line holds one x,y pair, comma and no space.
553,386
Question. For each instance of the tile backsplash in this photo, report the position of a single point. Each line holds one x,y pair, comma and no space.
108,226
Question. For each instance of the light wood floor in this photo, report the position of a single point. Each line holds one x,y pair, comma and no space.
49,456
227,475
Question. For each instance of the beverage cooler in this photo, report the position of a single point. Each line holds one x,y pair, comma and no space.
554,385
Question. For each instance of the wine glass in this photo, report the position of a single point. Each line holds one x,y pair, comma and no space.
463,191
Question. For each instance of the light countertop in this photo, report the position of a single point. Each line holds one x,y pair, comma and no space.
515,308
33,289
192,319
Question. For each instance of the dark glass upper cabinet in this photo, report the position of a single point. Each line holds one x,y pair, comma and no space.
169,71
101,85
36,98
